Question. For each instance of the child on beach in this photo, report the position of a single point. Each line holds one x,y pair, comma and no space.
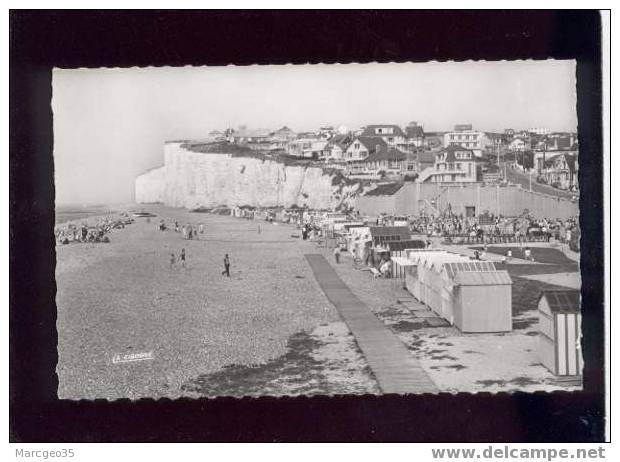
182,258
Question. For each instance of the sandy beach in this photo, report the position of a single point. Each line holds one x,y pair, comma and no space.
123,298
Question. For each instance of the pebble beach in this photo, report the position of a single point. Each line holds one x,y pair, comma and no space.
130,325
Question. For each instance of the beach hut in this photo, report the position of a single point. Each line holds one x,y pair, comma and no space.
470,294
435,282
380,235
398,249
481,301
415,274
560,331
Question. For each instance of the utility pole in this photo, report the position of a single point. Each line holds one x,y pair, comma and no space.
497,199
530,180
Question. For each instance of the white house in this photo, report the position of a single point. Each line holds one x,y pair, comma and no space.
454,164
519,144
308,148
465,137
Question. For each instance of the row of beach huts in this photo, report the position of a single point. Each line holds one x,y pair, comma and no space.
473,295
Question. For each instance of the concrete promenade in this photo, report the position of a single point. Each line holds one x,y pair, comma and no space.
394,367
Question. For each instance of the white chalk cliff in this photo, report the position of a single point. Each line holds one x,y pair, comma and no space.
193,179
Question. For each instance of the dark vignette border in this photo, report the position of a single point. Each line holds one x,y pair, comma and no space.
42,40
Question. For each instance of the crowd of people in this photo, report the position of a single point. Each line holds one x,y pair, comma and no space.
492,229
188,230
91,233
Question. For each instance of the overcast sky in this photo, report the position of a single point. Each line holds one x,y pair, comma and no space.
110,124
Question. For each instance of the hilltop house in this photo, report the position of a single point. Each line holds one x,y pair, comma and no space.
258,140
385,161
553,145
392,135
465,137
519,144
561,171
308,148
453,164
362,146
414,134
334,150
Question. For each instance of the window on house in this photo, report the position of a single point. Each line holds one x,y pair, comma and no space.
356,146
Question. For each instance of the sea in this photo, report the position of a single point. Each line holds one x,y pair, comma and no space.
66,213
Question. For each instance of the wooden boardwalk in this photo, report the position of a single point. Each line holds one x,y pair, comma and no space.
394,367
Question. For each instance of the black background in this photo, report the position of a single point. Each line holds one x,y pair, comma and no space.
42,40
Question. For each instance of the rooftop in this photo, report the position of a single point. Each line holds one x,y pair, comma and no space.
386,154
388,189
563,300
369,130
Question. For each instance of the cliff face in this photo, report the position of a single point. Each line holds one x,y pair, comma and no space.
191,179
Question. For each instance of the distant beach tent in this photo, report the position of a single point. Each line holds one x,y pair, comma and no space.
560,331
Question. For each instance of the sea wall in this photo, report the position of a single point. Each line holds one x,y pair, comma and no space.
419,198
193,179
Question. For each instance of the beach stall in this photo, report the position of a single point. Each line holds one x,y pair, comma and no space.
481,300
559,338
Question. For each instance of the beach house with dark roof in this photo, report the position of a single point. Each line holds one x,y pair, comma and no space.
393,135
362,146
384,162
336,147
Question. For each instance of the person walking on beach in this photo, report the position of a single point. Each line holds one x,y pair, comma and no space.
202,228
337,254
226,266
172,260
259,229
182,258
